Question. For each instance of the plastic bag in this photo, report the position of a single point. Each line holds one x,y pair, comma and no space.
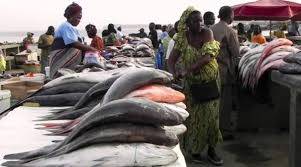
2,63
92,58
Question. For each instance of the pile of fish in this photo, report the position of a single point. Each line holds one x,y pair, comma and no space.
293,64
68,89
135,120
137,51
135,47
256,61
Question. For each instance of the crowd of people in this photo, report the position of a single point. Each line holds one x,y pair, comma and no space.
196,50
254,33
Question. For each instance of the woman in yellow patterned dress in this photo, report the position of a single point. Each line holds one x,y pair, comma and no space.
197,51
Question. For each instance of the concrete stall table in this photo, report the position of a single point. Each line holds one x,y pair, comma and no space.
19,133
293,82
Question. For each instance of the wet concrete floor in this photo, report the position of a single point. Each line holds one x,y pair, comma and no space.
252,149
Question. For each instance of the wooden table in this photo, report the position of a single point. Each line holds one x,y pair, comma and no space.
294,83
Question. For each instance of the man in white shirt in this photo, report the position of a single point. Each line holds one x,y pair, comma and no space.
119,35
171,42
159,31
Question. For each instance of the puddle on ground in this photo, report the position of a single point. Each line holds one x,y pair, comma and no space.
245,154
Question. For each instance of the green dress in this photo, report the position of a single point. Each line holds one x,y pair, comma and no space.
203,122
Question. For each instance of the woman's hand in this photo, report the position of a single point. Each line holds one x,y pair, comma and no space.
194,68
207,59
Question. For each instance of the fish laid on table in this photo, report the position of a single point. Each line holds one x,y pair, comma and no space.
158,93
271,45
294,58
78,87
111,155
66,71
66,99
243,50
109,133
257,50
274,57
175,108
72,82
136,79
290,68
269,63
247,63
70,115
272,65
267,52
284,48
94,94
133,110
177,130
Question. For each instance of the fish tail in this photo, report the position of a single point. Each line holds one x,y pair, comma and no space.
24,155
13,164
58,111
19,103
58,132
15,156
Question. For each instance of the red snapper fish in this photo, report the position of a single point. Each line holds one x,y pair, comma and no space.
158,93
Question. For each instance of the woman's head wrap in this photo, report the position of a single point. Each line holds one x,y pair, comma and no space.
72,9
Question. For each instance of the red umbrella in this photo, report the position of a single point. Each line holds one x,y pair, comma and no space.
277,10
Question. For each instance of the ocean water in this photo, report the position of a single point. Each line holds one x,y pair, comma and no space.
18,36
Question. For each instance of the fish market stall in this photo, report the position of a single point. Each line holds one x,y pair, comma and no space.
257,93
293,82
270,74
129,116
19,133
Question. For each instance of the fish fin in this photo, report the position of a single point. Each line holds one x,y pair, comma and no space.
15,156
50,117
57,134
57,111
43,118
13,164
41,128
48,125
24,155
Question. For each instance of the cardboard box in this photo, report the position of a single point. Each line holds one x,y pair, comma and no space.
20,89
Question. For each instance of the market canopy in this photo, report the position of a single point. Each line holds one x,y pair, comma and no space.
277,10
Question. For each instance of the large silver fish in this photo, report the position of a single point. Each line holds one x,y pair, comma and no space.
66,99
132,110
109,133
93,95
290,68
133,80
72,82
294,58
110,155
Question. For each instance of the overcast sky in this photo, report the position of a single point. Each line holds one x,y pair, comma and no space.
27,15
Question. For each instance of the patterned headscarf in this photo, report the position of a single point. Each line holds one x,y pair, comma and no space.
72,9
182,27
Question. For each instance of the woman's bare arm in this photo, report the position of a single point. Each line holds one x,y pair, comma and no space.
82,47
172,60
